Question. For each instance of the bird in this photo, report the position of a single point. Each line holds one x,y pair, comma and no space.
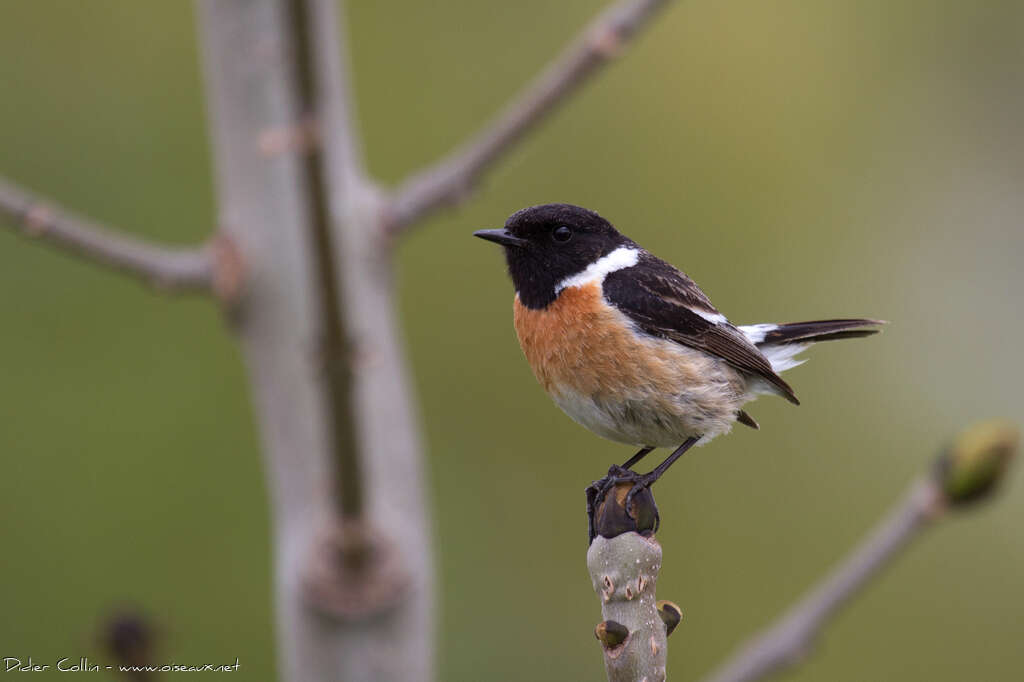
630,347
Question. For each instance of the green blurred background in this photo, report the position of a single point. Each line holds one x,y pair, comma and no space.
798,159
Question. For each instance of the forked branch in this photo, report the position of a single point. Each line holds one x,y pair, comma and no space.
449,181
159,266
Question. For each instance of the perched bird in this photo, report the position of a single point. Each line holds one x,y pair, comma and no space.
630,347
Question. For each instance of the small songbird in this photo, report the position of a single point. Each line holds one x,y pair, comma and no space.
630,347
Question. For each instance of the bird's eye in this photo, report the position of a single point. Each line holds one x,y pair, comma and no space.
562,234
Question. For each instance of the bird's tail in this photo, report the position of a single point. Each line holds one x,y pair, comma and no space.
781,343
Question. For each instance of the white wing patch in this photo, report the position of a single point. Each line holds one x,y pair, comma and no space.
619,259
713,318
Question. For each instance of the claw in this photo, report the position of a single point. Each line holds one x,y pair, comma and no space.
599,489
639,483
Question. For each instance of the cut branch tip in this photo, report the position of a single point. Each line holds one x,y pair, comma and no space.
611,634
612,518
671,615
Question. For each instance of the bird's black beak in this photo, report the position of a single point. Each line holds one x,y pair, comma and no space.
500,236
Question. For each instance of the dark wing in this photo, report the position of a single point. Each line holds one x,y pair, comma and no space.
664,302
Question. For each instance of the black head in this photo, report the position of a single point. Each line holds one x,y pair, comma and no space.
546,244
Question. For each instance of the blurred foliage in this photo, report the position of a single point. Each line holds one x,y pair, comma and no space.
798,159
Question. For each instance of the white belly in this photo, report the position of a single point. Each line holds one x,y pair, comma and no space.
650,419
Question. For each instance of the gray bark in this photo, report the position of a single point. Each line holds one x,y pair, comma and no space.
624,573
263,186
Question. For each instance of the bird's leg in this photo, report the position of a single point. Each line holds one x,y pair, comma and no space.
636,458
641,481
592,500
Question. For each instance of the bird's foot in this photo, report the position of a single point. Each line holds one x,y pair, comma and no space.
598,490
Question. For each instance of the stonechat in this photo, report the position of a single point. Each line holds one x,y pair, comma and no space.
630,347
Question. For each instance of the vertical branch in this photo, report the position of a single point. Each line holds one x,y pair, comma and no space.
262,192
334,350
305,220
335,103
624,573
624,560
400,647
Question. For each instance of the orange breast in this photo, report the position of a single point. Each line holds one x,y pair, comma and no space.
621,384
580,343
559,339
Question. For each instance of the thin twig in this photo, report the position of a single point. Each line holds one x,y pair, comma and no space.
162,267
789,639
450,180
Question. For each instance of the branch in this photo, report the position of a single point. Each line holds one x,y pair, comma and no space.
342,613
624,560
316,48
450,180
161,267
377,556
624,573
789,639
968,472
338,135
